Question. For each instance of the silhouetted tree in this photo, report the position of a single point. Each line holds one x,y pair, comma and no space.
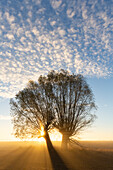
60,100
71,102
31,111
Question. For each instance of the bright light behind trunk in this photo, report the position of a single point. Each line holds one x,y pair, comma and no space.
42,131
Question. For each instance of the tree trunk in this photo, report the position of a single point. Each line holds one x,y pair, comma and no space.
48,141
56,160
65,139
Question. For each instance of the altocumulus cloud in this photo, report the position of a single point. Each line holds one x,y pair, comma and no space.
37,36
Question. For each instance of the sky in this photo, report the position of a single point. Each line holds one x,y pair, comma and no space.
37,36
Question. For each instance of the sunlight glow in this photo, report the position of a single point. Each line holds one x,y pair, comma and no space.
55,135
42,131
41,139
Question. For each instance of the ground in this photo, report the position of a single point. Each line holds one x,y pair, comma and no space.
35,156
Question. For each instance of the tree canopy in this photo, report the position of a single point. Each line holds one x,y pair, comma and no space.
59,99
30,110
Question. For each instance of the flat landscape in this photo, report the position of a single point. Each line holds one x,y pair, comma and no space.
35,156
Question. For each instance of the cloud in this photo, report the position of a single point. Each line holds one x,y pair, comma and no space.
9,36
10,18
56,3
61,31
38,37
53,23
70,13
30,14
37,2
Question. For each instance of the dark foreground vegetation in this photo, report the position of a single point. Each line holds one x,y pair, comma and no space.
35,156
58,100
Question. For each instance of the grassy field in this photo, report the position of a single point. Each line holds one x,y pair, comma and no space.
35,156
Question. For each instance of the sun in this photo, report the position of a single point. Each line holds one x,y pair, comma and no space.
42,133
54,134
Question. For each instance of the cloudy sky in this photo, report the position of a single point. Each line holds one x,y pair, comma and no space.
37,36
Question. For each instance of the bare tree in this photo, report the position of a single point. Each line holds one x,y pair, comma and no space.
60,100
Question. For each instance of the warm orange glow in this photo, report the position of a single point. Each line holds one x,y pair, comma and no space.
41,139
55,135
42,131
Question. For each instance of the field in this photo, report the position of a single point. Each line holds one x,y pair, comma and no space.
35,156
